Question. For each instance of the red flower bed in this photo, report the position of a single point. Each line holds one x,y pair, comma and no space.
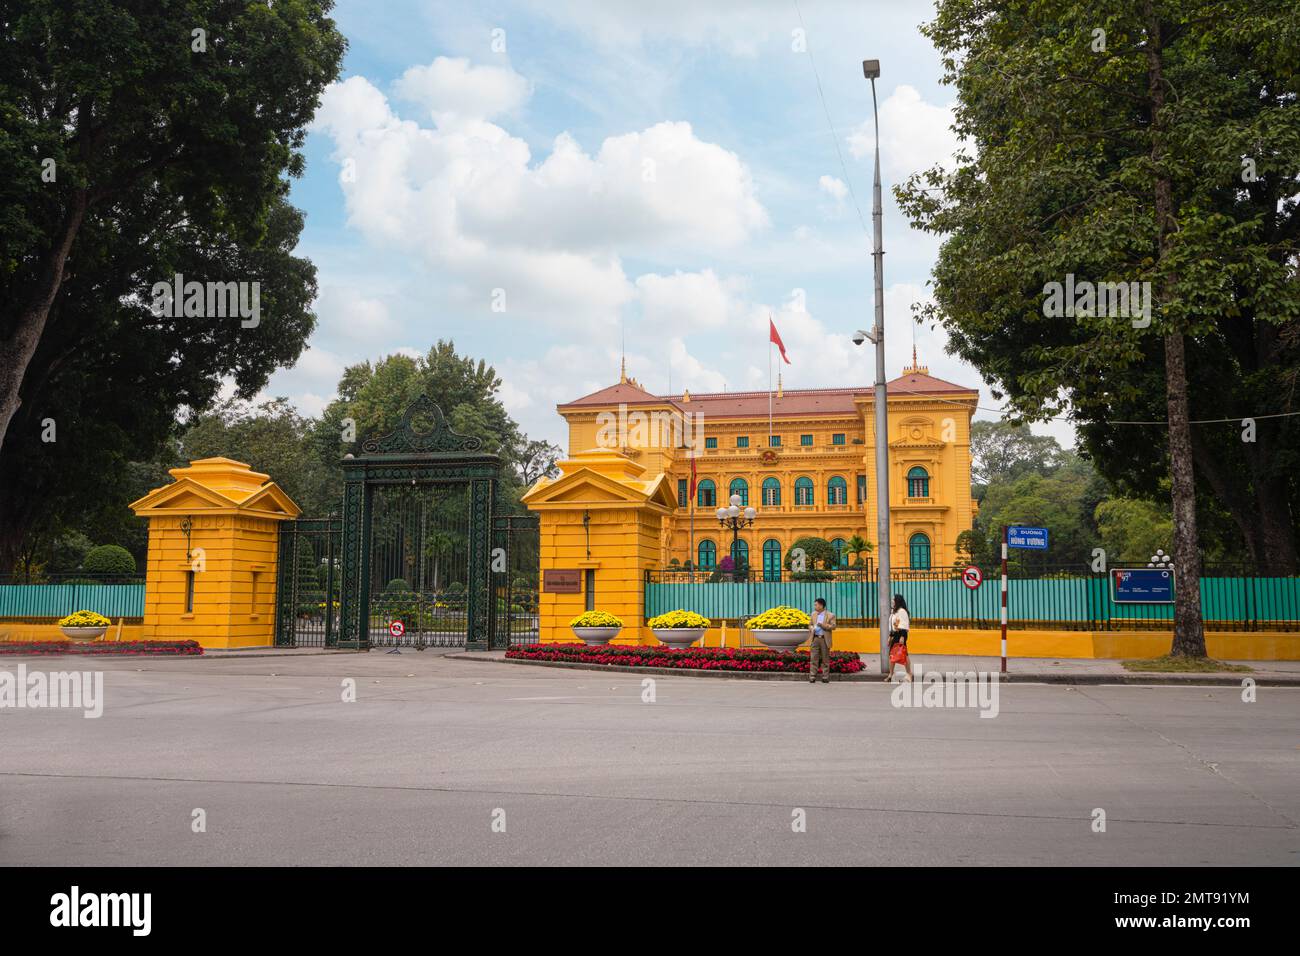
110,648
686,658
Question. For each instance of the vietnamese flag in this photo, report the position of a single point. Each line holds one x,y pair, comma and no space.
775,339
691,496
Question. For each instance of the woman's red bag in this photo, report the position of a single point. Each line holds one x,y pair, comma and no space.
898,653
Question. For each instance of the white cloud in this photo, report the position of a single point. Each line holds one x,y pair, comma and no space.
687,301
451,86
466,196
344,312
833,187
915,135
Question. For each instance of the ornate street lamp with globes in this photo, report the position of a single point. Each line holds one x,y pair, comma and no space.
735,518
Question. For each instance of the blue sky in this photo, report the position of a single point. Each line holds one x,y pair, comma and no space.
541,182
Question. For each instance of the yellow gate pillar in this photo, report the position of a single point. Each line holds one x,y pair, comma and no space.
601,521
213,550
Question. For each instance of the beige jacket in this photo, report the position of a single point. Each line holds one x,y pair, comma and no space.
828,624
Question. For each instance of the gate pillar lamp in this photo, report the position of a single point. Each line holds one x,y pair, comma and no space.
735,518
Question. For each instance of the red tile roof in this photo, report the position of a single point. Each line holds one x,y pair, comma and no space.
794,401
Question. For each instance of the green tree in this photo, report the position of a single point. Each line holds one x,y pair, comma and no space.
1131,531
819,554
130,152
1004,451
1108,143
109,559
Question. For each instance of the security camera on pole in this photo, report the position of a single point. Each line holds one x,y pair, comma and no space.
871,70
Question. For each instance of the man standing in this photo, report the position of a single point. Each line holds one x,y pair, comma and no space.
821,623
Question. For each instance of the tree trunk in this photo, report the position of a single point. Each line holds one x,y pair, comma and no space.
18,347
1189,630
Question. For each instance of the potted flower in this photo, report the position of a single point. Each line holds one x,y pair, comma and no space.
780,628
84,626
596,627
678,628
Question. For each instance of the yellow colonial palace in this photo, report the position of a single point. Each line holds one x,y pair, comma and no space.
803,459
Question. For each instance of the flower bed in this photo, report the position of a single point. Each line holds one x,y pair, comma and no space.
112,648
689,658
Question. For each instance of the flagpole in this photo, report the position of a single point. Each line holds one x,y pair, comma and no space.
771,325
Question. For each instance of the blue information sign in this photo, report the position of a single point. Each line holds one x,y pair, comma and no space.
1035,539
1142,585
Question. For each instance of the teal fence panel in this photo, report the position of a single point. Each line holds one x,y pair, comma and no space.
1079,602
738,600
59,600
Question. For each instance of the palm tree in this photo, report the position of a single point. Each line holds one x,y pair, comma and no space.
856,546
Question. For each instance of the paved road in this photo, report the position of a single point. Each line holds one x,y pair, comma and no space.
585,772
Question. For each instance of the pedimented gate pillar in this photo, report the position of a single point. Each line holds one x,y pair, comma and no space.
602,522
213,555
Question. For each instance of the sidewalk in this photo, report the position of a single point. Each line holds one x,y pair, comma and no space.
1019,670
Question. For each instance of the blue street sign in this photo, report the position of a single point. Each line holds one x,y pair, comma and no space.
1034,539
1142,585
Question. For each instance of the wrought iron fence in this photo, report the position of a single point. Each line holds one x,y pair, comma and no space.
1051,598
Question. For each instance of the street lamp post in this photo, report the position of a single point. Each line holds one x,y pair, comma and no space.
735,518
871,70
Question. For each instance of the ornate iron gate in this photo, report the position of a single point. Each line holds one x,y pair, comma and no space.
428,494
515,543
307,589
419,566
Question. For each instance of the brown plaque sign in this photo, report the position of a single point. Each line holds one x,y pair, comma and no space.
562,581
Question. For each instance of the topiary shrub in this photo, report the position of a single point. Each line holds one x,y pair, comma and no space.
397,584
108,559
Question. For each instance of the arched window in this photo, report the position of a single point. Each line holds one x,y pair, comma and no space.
841,552
803,491
918,483
739,486
708,556
740,554
771,560
837,491
918,548
771,492
707,494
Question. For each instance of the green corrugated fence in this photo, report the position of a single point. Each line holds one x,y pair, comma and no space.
60,600
941,600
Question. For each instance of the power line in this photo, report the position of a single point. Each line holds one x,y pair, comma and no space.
830,125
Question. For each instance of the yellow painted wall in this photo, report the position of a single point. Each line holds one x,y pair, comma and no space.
27,632
1082,645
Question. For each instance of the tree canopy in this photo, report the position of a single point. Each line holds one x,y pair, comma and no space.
141,140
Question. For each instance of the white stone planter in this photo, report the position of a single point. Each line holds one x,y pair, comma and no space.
678,636
83,633
781,639
595,636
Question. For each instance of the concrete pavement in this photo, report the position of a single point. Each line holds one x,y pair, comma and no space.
578,768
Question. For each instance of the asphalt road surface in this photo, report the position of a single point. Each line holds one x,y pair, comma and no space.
453,762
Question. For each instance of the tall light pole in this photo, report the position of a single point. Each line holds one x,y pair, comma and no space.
871,70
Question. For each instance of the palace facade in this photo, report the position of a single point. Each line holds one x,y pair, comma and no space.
803,458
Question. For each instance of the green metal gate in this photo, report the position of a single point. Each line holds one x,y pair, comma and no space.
307,585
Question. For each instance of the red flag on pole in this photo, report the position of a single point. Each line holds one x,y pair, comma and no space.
692,494
775,339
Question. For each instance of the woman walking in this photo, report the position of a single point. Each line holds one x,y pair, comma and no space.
899,623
